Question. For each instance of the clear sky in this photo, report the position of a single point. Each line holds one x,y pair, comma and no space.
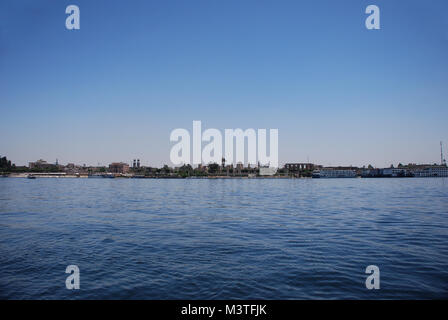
115,89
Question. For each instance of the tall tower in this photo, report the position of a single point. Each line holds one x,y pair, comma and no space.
441,154
442,160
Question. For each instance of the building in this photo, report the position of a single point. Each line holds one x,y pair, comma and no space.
42,164
119,167
136,164
267,171
431,171
70,168
297,167
239,168
38,164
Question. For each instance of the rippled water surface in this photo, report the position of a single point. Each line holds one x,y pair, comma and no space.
220,239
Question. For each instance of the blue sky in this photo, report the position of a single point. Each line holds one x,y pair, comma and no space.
115,89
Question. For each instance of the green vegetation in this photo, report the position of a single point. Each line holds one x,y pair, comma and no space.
7,167
213,168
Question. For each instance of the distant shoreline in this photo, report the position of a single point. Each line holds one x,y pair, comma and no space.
70,176
44,175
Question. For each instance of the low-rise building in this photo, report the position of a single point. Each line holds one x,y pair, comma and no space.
39,164
431,171
119,167
43,165
267,171
297,167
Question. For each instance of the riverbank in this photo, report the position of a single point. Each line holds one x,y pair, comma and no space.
127,176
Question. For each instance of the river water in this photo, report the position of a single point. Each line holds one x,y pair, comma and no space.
224,238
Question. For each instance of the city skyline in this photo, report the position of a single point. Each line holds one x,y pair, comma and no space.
148,163
137,162
339,94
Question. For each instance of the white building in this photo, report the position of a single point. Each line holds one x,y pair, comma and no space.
268,171
434,171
